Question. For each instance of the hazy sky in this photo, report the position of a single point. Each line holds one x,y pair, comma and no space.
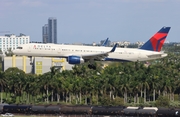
87,21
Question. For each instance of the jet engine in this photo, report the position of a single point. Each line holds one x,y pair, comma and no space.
75,60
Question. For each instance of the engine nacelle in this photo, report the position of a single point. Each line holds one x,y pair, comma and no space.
75,60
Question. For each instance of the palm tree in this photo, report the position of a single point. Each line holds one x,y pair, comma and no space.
124,86
54,80
145,85
30,83
3,84
15,77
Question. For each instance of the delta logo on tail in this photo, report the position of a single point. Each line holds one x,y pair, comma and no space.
156,42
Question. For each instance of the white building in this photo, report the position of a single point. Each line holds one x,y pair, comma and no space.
121,43
11,41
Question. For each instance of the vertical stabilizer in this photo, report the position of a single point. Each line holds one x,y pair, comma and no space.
156,42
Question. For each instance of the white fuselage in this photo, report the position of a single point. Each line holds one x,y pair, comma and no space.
63,51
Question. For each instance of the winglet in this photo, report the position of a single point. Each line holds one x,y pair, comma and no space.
105,42
114,48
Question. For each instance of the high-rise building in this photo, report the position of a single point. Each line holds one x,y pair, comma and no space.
52,30
11,41
45,33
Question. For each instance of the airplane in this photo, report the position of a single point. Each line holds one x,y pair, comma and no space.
77,54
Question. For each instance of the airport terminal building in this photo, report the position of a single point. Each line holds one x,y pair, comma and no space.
35,65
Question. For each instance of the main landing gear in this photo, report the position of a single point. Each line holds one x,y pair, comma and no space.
31,61
91,66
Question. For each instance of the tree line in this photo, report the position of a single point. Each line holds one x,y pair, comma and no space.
137,83
116,84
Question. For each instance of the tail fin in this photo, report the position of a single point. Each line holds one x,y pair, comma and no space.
105,42
156,42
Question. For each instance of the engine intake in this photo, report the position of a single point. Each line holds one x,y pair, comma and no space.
75,60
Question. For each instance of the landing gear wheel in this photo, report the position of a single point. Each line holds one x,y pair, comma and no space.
92,67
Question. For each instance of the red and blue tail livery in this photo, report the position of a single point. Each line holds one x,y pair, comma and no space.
156,42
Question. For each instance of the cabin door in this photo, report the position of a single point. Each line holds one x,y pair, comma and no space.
139,56
59,50
29,48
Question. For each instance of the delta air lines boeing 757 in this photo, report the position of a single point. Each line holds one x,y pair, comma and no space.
76,54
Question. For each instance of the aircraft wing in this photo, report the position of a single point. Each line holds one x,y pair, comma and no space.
95,56
98,56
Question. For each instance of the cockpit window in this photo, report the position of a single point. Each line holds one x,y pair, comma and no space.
19,48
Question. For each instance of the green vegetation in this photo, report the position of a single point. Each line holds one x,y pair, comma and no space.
156,83
162,101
